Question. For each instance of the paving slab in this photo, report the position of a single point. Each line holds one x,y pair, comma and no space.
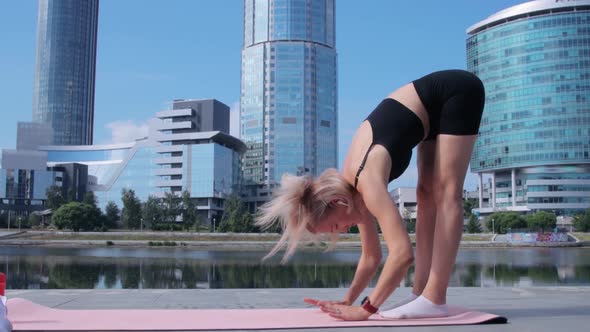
537,309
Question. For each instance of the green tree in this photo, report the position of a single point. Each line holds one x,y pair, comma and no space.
34,219
77,217
55,198
354,229
90,199
407,218
189,216
236,217
112,215
199,221
503,221
541,221
582,222
468,205
152,212
131,213
171,207
71,196
473,226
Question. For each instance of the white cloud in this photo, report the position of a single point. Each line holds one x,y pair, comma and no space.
127,131
234,119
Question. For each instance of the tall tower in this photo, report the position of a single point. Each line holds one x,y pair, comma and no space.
534,139
65,69
288,100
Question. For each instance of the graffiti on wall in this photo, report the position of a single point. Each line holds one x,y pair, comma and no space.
538,237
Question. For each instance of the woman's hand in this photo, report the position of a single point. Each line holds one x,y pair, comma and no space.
346,312
340,309
323,304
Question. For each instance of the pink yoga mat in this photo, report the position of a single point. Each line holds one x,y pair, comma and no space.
26,315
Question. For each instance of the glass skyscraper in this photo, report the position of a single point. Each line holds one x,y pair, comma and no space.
534,60
65,69
288,98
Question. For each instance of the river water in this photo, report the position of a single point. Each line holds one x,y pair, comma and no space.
175,268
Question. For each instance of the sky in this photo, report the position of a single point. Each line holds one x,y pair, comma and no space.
151,52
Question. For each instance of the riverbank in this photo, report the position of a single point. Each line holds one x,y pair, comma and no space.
230,241
538,309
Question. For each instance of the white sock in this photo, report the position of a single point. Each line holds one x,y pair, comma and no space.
421,307
408,299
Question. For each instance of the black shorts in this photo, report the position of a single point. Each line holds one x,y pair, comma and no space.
454,101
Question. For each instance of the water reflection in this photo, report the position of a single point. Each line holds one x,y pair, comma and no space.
84,268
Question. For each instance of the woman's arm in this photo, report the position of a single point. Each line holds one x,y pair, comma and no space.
367,266
369,261
400,256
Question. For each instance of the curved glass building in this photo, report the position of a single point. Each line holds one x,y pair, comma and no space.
65,69
288,89
534,60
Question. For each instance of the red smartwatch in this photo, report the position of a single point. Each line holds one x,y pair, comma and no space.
366,304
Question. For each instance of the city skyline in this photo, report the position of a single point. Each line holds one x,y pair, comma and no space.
145,65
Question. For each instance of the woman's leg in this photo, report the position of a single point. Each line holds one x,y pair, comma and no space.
426,218
451,163
425,221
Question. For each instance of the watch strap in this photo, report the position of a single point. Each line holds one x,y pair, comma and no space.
366,304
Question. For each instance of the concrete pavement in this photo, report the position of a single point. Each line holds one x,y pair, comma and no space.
537,309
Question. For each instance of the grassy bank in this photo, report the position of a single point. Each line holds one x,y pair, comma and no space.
582,236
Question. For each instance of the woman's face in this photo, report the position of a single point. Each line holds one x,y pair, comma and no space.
336,220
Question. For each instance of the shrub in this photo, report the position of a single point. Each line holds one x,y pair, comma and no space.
582,222
77,217
503,221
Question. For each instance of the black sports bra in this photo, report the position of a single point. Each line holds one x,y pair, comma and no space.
399,130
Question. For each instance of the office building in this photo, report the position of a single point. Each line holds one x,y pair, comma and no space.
65,69
25,175
174,157
210,114
406,201
288,100
534,140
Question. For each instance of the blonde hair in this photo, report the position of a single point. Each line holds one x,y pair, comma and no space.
299,205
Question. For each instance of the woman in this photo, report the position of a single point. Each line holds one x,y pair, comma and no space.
440,113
